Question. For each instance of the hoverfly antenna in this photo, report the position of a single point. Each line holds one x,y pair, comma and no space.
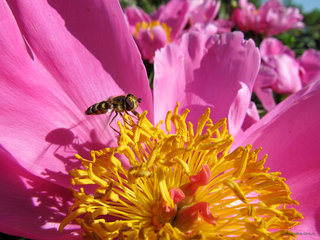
139,100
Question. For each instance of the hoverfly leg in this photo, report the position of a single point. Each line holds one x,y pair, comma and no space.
115,130
124,119
112,121
136,114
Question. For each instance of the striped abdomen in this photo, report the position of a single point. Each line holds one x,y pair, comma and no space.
99,108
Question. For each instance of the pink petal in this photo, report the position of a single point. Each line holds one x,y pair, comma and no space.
223,25
288,70
203,11
30,206
225,62
48,81
44,129
210,28
273,46
30,108
279,73
238,108
175,15
171,74
46,89
230,66
262,87
135,15
207,28
310,62
78,41
289,134
251,117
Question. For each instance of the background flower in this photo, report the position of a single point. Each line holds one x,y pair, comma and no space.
310,63
270,19
161,27
279,72
167,23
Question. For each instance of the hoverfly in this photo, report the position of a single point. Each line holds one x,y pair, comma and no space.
118,104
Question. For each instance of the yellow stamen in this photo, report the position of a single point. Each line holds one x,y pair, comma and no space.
149,26
180,173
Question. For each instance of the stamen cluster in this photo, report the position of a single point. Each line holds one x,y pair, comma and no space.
181,184
149,26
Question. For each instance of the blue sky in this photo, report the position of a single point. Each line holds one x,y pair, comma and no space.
307,5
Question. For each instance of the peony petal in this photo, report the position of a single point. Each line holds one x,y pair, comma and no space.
238,108
310,62
135,15
47,82
273,46
173,66
210,28
30,206
42,128
203,11
288,70
289,134
78,41
175,15
39,120
251,117
228,61
262,87
43,99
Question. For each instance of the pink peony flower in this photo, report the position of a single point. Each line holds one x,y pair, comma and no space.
270,19
310,63
279,72
57,59
152,33
168,22
149,35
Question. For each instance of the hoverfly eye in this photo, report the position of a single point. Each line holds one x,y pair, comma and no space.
129,104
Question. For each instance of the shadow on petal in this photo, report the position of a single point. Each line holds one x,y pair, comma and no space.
39,204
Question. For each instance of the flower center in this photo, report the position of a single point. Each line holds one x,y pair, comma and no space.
181,184
150,26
